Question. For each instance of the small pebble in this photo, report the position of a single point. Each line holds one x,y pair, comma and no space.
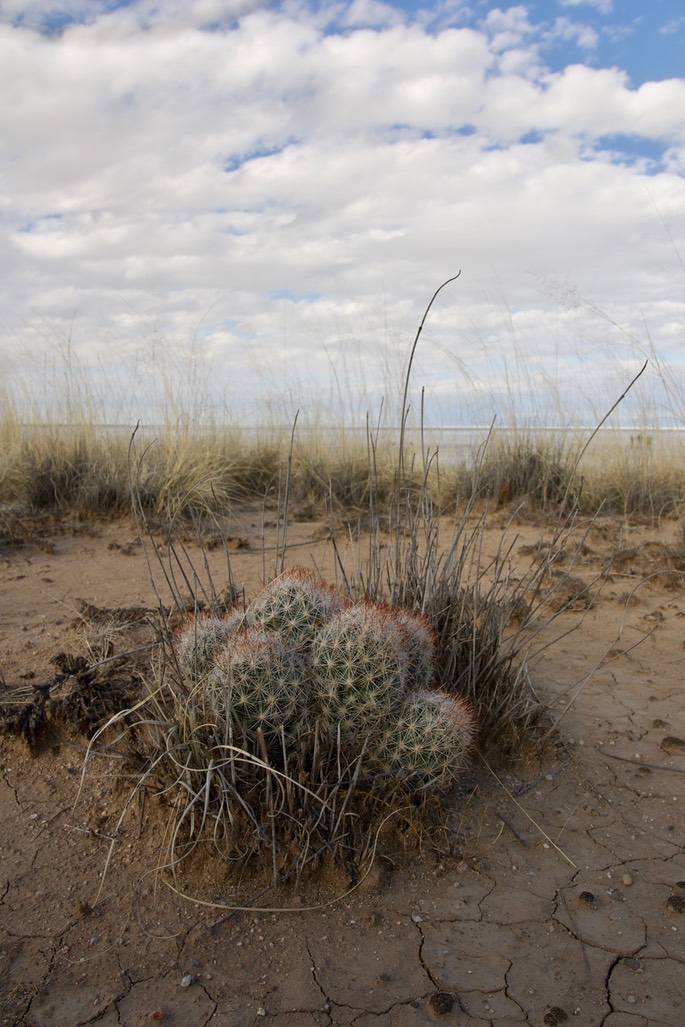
632,964
416,918
673,745
186,981
441,1002
627,880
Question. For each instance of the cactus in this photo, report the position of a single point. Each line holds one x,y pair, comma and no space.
428,742
295,604
359,669
303,654
199,637
420,643
259,680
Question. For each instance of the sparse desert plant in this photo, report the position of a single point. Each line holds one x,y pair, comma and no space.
66,457
520,466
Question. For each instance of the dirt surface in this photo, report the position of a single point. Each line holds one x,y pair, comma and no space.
562,899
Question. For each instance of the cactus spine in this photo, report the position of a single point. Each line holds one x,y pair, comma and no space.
198,639
258,679
295,605
359,669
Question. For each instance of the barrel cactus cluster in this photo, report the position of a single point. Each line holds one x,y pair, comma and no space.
302,662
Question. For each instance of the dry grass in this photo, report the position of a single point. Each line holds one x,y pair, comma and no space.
83,469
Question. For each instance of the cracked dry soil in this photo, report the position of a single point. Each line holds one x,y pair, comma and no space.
563,901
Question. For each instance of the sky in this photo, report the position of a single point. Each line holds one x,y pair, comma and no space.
247,207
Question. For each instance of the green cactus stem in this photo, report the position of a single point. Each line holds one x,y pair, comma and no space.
359,669
429,743
198,639
259,680
296,605
421,646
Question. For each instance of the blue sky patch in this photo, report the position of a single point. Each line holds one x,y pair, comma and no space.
632,149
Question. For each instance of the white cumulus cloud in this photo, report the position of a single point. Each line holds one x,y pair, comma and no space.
283,188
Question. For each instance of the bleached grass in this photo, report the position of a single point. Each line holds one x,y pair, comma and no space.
83,469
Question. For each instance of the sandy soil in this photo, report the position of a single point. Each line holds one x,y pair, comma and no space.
563,900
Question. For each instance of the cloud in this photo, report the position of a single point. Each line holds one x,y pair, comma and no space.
287,187
508,29
370,14
672,26
566,30
53,18
603,6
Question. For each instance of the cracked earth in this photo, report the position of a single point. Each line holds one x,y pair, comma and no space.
563,901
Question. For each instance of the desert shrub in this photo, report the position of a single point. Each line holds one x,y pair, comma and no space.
520,466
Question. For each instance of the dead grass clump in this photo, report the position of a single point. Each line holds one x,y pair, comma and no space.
83,694
654,562
635,476
521,467
48,469
183,471
81,466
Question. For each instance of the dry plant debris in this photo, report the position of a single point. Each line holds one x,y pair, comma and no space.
79,694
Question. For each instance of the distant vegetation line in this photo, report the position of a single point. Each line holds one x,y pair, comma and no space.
185,466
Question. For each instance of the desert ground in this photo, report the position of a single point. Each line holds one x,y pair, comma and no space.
560,900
